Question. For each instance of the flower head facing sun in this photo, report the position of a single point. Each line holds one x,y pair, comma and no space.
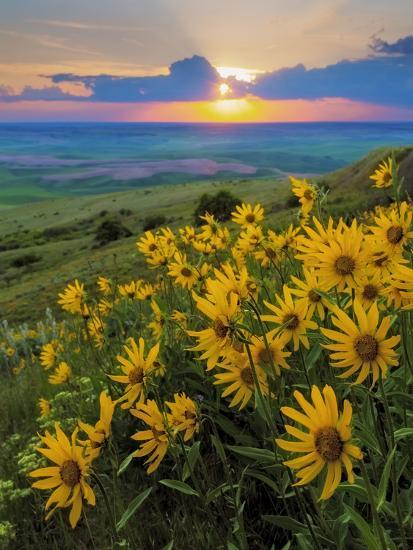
327,443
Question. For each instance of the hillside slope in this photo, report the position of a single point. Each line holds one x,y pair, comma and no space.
44,245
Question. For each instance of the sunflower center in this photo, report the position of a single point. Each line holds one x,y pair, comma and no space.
70,473
189,415
314,296
152,247
250,218
266,355
308,194
136,376
220,329
381,260
394,234
367,347
370,292
328,444
247,376
186,272
291,320
344,265
386,177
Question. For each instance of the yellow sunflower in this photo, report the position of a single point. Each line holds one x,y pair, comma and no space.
223,310
136,369
403,279
104,285
72,298
271,354
363,346
44,406
308,290
68,477
342,262
393,231
49,354
292,318
383,175
305,192
155,439
184,415
100,432
327,443
182,271
239,377
61,374
246,214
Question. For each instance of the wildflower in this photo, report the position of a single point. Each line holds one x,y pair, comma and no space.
363,346
327,442
182,271
148,244
130,290
68,477
158,320
403,279
250,238
383,175
72,297
44,406
247,215
183,415
393,231
100,432
210,228
49,354
287,240
145,291
370,289
305,192
155,439
342,262
136,369
104,285
222,309
239,283
292,318
308,291
61,374
239,377
95,329
105,307
188,234
270,353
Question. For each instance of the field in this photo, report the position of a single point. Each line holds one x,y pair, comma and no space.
238,381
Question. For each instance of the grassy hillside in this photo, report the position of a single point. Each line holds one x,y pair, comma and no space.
46,244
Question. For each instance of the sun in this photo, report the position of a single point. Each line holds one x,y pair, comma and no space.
224,89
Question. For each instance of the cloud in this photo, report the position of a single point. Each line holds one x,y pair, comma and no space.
52,93
192,79
403,46
384,78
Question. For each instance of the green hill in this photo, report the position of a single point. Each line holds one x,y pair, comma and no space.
45,244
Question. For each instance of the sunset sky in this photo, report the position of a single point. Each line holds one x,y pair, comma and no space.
221,60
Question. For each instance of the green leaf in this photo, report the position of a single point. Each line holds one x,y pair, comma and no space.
384,480
125,463
367,536
285,522
179,486
169,546
232,546
265,479
212,494
219,448
131,509
259,455
403,433
191,460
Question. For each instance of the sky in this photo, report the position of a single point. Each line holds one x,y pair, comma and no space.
215,61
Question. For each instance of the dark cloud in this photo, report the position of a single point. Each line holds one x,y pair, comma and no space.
403,46
192,79
384,78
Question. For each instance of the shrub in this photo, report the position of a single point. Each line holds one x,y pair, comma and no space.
152,222
220,205
111,230
25,259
